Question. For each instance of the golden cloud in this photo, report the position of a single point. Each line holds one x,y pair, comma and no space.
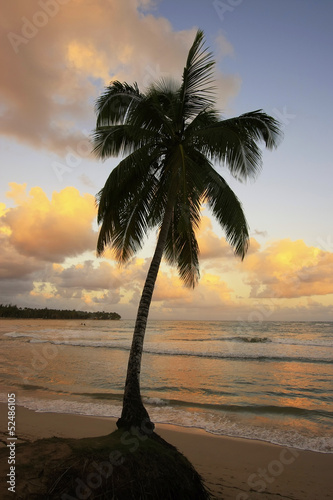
50,230
58,58
88,59
40,233
169,287
213,247
212,291
289,269
210,245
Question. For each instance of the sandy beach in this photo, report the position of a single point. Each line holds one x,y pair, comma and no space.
233,468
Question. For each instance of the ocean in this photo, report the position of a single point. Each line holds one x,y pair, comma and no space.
270,381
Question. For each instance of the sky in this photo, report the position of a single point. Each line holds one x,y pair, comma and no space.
58,55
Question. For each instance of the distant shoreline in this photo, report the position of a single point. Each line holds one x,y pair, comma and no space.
15,312
60,319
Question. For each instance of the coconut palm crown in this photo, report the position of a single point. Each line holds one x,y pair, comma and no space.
170,137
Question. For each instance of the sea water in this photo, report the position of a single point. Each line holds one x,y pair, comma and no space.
271,381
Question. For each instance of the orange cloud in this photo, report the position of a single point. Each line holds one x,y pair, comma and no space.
211,292
40,234
213,247
169,287
50,230
52,56
210,245
289,269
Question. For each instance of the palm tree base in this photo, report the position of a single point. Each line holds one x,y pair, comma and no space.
145,426
135,415
145,468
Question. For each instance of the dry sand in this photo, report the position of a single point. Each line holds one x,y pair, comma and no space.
233,468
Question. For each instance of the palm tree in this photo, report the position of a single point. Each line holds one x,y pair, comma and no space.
169,138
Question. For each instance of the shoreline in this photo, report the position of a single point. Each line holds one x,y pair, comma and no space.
233,468
85,412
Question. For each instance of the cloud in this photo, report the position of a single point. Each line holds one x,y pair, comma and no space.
38,232
59,54
12,265
289,269
15,291
213,248
210,245
256,232
46,260
169,288
50,230
211,292
224,47
88,276
86,181
94,278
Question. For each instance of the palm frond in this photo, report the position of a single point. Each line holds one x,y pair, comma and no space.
181,247
206,118
236,142
196,92
120,140
228,210
188,258
114,104
260,126
125,201
124,229
152,114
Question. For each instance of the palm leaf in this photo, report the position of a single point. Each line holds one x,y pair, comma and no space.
236,142
124,203
228,210
181,246
120,140
196,92
113,105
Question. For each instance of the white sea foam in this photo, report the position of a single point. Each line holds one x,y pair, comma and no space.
250,351
221,424
155,401
20,335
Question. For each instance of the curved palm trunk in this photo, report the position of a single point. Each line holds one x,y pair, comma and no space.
134,413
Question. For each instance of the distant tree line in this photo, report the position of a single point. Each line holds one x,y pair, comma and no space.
11,311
